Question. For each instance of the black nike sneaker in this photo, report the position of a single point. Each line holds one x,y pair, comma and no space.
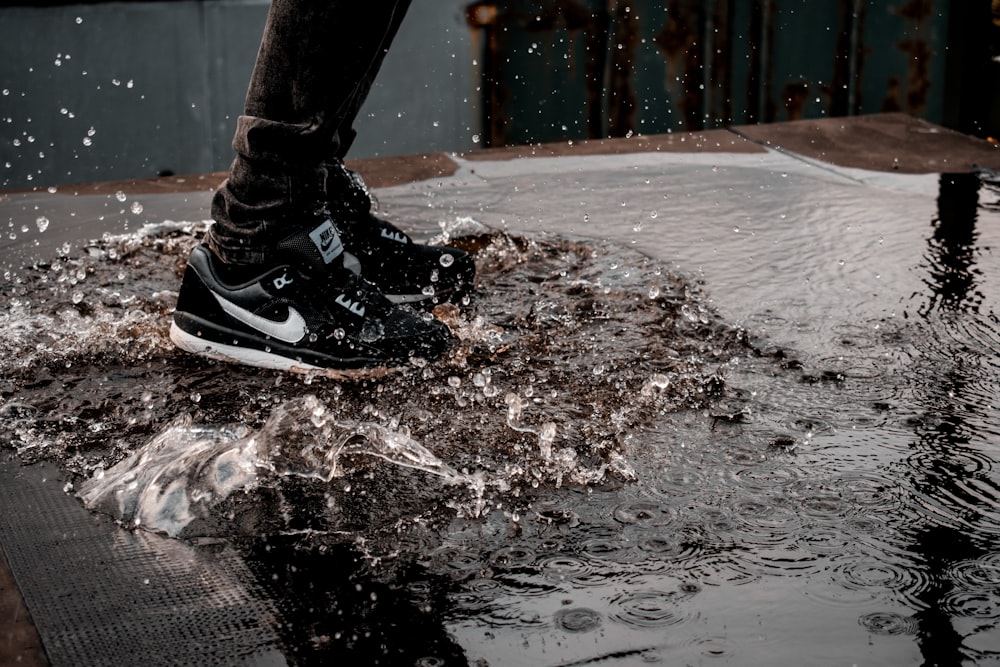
404,271
305,312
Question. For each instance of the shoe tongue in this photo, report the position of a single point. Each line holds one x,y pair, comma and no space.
347,192
317,249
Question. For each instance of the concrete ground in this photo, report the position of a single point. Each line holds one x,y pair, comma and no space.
41,525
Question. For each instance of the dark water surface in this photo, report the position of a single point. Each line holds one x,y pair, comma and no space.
698,414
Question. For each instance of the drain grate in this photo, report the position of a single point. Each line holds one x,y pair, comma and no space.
100,595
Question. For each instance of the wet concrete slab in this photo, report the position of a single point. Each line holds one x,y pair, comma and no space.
76,214
893,142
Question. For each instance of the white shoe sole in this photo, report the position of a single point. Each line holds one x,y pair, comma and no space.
260,359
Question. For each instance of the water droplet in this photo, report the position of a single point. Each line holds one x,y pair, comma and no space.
339,333
196,397
475,138
434,276
87,141
136,207
77,297
455,381
654,292
653,214
446,260
79,20
120,196
42,222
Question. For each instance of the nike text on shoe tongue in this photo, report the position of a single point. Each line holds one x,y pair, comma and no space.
327,241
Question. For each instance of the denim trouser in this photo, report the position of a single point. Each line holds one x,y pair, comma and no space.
315,67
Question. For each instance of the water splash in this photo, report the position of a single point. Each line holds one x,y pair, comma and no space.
514,410
181,474
177,477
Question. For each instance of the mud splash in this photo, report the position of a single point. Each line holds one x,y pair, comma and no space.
567,351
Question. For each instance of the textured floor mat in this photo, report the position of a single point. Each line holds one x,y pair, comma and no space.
100,595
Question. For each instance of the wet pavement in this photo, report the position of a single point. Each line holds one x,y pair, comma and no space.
712,402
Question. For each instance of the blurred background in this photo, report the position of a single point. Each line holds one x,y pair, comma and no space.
100,91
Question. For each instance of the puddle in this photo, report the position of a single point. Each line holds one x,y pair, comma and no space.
541,392
623,463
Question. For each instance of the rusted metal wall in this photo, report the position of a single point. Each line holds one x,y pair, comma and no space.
564,69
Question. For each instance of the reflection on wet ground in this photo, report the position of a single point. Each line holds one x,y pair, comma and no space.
788,459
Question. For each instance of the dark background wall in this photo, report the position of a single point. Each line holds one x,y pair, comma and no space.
110,90
567,68
114,90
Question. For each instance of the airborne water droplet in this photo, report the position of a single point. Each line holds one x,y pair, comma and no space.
136,208
42,222
446,260
120,196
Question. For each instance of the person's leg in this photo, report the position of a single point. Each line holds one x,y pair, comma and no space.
271,286
406,272
316,64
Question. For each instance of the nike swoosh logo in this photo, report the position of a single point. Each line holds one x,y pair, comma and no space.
291,330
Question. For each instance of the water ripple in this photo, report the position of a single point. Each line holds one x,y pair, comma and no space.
871,578
611,550
562,568
888,623
644,513
977,573
763,521
579,619
650,608
512,556
825,541
981,605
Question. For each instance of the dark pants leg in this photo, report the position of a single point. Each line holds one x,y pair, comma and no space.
315,67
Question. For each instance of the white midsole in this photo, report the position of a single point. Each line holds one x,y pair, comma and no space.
406,298
261,359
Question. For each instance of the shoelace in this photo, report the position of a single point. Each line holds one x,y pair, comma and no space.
355,291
